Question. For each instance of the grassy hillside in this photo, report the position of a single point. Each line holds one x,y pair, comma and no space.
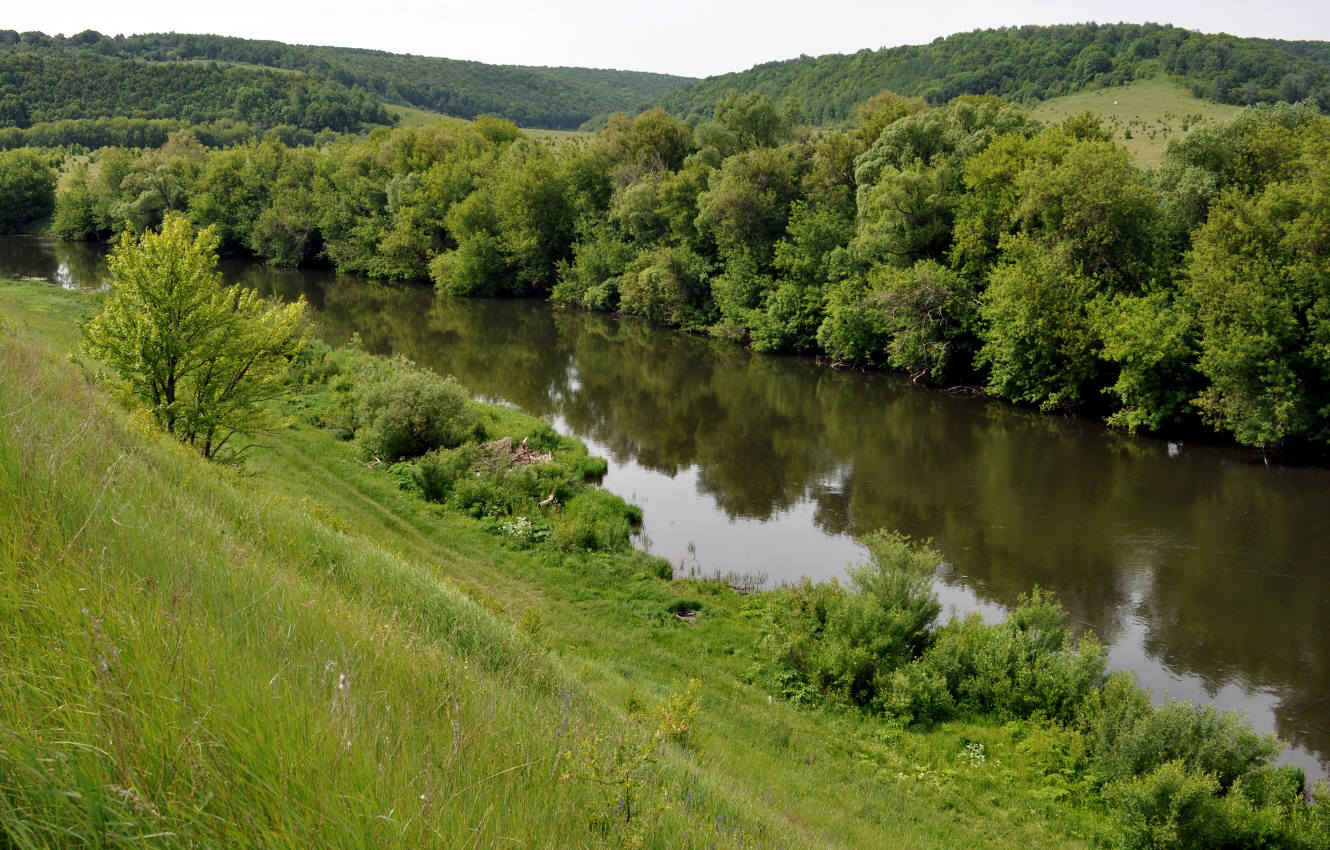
410,117
1143,115
1028,64
547,98
307,650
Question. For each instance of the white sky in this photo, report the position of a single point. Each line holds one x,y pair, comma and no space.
691,37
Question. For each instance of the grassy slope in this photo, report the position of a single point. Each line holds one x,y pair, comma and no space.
409,116
1153,111
227,609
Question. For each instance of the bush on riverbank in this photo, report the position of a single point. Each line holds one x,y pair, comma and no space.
528,481
1173,775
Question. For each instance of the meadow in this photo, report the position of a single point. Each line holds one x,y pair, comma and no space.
1143,116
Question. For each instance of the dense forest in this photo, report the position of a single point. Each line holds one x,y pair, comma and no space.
183,66
964,245
44,87
1028,64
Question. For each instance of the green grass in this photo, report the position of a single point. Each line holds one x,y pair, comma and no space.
409,116
303,653
1152,111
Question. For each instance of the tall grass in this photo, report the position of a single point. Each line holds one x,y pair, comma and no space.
304,654
188,659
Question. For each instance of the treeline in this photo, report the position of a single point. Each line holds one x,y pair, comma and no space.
963,245
83,134
553,98
1028,64
44,87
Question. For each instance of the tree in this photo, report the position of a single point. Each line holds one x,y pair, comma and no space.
1259,276
27,189
201,357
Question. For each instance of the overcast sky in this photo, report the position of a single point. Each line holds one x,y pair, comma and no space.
691,37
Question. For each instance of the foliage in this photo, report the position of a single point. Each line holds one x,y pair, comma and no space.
595,520
1025,64
1259,278
1128,737
411,411
300,85
1027,666
960,244
203,359
847,641
27,189
55,84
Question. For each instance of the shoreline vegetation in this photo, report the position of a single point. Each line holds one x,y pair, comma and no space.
455,656
963,245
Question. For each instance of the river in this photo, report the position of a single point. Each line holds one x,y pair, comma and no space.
1205,571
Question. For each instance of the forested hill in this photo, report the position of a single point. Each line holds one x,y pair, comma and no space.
44,87
1028,64
552,98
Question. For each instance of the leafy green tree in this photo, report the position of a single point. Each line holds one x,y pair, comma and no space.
919,319
27,189
1260,278
747,202
1039,342
1151,339
202,358
159,182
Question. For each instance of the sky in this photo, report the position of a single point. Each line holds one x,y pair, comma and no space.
689,37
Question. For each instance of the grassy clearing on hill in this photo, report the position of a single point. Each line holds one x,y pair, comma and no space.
409,116
307,653
1143,115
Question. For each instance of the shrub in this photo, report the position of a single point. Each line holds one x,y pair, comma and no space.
1026,666
409,412
1171,808
437,472
1179,808
1128,739
848,642
593,520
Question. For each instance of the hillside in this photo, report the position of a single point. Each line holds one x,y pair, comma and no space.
1029,64
545,98
42,87
324,656
1142,116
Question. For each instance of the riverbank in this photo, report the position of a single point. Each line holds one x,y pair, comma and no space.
306,650
597,633
760,464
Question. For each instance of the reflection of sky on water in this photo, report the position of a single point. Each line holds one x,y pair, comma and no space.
684,525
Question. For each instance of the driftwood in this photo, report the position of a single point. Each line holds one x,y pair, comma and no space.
547,501
372,464
516,456
689,617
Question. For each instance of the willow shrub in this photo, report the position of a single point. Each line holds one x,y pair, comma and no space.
1029,665
847,641
412,411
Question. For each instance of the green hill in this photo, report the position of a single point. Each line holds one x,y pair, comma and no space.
1143,115
1029,64
41,87
546,98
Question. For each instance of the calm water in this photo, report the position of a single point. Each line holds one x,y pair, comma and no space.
1205,571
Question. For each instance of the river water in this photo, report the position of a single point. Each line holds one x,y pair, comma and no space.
1205,571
